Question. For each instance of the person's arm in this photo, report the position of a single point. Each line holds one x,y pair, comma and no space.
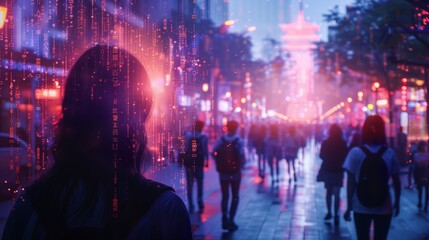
351,188
397,189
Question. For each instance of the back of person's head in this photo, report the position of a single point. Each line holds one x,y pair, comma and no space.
373,130
231,126
107,99
199,125
335,132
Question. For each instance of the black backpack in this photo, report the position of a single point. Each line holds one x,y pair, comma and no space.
194,155
228,156
373,183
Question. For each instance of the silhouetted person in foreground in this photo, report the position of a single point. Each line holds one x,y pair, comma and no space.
228,153
333,152
369,168
95,189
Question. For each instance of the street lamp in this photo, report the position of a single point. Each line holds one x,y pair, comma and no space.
225,26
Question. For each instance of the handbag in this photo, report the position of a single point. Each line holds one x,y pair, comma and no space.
321,174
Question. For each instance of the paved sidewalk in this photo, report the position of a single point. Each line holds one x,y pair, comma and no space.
294,210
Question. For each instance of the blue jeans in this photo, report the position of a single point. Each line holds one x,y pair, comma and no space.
195,174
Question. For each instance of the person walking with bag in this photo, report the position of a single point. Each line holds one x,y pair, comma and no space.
196,158
333,152
228,152
369,168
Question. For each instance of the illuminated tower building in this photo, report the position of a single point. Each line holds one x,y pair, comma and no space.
299,42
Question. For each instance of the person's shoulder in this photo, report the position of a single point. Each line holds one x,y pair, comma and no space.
153,185
204,136
169,206
390,151
356,151
169,199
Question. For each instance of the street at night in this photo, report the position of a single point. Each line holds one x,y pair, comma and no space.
291,211
214,119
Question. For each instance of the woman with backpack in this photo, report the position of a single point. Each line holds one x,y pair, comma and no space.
333,152
369,168
95,189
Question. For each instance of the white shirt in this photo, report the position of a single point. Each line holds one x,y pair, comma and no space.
353,164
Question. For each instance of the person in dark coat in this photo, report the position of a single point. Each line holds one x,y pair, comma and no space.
333,152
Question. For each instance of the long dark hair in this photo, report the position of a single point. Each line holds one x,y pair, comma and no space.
101,136
107,99
373,131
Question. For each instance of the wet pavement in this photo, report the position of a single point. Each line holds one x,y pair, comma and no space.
293,210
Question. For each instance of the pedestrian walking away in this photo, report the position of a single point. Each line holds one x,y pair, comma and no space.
369,168
260,145
333,152
274,153
421,174
196,158
228,153
291,147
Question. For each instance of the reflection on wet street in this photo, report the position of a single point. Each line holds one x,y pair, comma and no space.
291,210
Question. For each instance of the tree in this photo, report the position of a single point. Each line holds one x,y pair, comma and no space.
364,40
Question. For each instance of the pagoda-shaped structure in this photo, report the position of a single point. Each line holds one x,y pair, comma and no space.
299,41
